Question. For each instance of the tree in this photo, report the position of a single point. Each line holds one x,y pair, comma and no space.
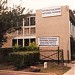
10,20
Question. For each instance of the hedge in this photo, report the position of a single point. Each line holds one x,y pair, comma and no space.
24,59
32,47
26,48
4,54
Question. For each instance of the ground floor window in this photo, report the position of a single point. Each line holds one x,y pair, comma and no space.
14,41
32,40
19,42
26,42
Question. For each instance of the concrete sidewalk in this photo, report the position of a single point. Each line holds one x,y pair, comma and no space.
4,72
72,70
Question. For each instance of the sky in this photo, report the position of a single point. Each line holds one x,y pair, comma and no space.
39,4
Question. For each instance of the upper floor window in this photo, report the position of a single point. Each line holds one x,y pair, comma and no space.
26,22
29,21
32,20
26,30
32,30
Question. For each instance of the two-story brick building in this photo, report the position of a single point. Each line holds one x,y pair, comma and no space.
50,28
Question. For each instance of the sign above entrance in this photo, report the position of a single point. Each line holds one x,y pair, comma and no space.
52,11
48,41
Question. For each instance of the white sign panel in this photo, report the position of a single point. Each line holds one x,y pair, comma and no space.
48,41
52,11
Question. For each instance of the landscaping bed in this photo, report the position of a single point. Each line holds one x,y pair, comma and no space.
52,68
55,68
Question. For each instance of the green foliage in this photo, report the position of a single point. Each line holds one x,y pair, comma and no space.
10,20
24,59
4,52
15,48
31,47
24,56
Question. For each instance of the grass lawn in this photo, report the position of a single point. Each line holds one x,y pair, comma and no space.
52,68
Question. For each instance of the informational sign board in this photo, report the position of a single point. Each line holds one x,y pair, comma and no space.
48,41
52,11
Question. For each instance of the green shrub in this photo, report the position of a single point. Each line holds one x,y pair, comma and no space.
4,54
24,59
31,47
15,48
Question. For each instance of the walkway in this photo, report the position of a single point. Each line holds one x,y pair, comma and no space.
4,72
72,70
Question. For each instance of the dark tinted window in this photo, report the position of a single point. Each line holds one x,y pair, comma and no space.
32,40
27,22
26,42
20,42
14,41
32,20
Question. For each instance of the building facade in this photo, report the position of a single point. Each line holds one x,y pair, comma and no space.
50,28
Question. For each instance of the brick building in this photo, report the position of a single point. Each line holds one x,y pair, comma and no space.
50,28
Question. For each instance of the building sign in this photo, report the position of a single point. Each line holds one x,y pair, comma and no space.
48,41
52,11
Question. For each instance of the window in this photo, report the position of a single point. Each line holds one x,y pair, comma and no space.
14,41
32,20
20,42
32,40
29,21
26,42
26,30
26,22
32,30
